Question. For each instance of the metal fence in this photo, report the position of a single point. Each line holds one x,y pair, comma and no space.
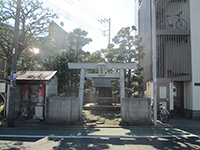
173,39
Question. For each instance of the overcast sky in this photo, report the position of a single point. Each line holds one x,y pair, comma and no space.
85,14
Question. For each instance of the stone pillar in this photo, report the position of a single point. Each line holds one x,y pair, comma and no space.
81,90
122,85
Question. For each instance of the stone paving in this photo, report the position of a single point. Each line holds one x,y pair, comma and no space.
101,118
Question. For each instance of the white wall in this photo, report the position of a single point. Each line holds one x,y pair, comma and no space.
195,52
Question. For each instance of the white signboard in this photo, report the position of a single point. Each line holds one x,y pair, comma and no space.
163,92
101,69
2,87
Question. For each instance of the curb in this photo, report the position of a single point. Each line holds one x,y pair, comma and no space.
98,137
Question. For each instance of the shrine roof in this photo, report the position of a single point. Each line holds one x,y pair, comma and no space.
35,75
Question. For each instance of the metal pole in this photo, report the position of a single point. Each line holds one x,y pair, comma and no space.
154,57
109,31
11,104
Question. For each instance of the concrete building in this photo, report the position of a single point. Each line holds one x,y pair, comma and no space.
56,39
177,53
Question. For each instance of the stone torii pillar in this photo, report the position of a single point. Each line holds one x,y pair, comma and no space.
101,67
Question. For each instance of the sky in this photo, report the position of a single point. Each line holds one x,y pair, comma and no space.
89,16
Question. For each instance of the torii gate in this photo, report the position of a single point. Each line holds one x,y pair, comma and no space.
101,73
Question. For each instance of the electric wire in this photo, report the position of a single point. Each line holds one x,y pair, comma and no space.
92,11
72,18
88,11
83,10
80,22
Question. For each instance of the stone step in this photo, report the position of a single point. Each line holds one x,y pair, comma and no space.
91,106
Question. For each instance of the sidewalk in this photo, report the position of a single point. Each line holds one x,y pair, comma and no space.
179,126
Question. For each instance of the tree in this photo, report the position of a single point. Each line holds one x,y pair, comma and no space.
58,60
68,78
129,50
77,40
95,57
34,23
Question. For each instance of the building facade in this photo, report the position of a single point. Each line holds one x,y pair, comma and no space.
177,53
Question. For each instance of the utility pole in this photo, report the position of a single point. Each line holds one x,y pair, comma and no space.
109,21
109,27
11,104
154,59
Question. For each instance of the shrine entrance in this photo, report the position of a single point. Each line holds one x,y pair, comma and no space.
101,67
103,91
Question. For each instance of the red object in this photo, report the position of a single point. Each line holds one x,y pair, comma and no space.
25,89
41,90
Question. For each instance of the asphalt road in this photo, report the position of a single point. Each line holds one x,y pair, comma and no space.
181,133
47,143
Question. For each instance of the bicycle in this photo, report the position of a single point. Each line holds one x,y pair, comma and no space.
167,22
163,114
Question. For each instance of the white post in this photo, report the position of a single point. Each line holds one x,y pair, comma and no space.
81,90
122,85
154,57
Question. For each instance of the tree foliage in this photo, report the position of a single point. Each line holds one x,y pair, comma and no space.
77,40
129,46
129,49
95,57
34,23
68,78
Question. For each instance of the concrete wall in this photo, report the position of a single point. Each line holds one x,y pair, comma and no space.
52,87
62,110
136,111
89,98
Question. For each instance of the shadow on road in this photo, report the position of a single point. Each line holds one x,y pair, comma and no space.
116,143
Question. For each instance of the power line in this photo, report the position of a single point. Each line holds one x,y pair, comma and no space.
72,18
83,10
88,11
97,15
69,16
91,11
